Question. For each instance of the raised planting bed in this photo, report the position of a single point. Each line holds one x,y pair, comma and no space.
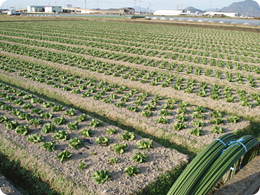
96,155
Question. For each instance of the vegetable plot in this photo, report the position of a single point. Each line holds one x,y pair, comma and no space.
97,152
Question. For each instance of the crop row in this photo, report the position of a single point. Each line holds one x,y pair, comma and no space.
175,114
67,133
189,55
202,89
188,69
173,36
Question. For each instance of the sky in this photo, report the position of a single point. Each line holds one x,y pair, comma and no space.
104,4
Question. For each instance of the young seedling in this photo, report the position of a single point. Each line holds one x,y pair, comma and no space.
63,156
11,124
113,161
48,128
196,132
128,136
139,157
162,120
178,126
70,112
35,138
111,131
95,123
82,165
75,143
131,171
104,141
119,148
22,130
146,113
59,121
35,122
46,115
49,146
217,130
144,144
233,119
72,126
57,108
198,123
102,176
86,132
61,135
82,117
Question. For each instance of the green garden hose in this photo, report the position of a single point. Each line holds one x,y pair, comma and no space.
210,165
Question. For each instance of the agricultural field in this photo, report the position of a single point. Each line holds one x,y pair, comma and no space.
115,106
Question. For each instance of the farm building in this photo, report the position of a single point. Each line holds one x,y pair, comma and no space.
51,9
168,12
42,8
228,14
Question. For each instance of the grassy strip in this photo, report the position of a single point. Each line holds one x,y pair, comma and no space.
162,185
25,181
18,156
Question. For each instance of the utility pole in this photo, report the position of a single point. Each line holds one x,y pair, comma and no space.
140,7
85,6
135,5
210,6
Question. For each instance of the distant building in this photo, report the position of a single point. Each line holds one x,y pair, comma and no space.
52,9
228,14
168,12
42,8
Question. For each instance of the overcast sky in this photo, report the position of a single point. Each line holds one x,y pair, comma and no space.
154,4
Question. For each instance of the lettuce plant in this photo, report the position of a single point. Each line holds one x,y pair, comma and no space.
144,144
102,176
104,141
48,128
196,132
131,171
64,155
82,165
49,146
95,123
111,131
217,130
113,161
22,130
82,117
59,121
139,157
178,126
11,124
72,126
35,122
86,132
75,143
61,135
119,148
35,138
128,136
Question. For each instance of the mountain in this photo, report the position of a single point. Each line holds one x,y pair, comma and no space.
247,8
193,9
